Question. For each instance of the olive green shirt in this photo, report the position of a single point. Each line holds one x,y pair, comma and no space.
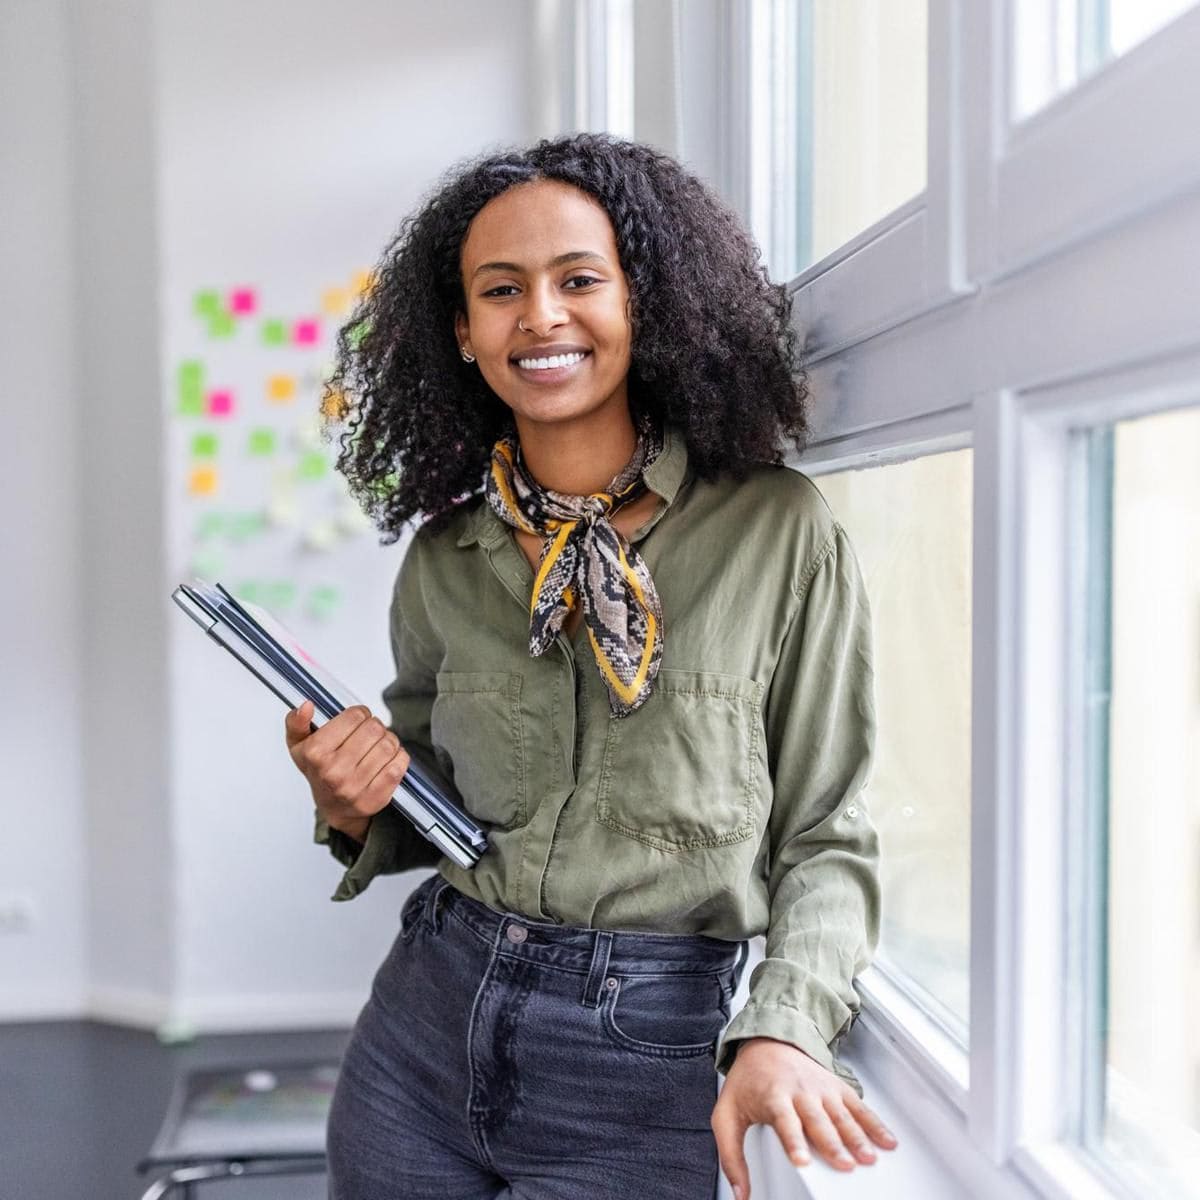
729,804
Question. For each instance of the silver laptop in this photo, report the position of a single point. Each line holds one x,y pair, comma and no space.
261,644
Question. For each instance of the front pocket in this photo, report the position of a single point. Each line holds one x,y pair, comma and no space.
475,727
668,1016
683,771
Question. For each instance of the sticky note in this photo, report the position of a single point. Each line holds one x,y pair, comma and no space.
209,525
220,404
274,332
281,388
191,388
241,526
221,325
281,511
207,564
361,281
262,441
321,535
204,445
206,303
202,481
249,589
279,594
358,331
312,465
322,601
306,332
334,405
335,301
243,301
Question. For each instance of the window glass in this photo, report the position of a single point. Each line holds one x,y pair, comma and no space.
1148,786
1061,42
910,525
844,85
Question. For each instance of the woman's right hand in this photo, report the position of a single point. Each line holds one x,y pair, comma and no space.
353,764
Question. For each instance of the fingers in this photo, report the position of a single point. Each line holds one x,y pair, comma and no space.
297,724
875,1129
853,1138
730,1132
822,1133
784,1120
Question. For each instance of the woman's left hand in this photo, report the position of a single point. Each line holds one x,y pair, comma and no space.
774,1083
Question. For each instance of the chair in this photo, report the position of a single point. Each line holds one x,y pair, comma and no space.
230,1122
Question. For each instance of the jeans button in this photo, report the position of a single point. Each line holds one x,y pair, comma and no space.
517,934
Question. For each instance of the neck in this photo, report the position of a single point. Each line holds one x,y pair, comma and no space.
581,456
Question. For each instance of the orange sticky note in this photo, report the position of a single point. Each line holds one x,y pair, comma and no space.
202,481
281,388
335,301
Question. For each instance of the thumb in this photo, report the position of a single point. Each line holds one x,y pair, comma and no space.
297,722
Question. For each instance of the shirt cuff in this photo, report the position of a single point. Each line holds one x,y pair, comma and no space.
362,860
784,1023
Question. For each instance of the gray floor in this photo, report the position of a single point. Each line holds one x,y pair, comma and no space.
80,1103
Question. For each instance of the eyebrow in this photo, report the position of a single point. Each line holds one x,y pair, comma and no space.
557,261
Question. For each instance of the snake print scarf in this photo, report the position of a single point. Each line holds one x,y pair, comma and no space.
585,558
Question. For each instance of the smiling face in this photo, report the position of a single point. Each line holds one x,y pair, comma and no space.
544,255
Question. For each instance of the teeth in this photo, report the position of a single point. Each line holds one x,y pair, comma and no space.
546,364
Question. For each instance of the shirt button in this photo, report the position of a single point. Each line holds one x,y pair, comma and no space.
517,934
851,811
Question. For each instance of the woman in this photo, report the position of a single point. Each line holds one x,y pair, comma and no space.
643,654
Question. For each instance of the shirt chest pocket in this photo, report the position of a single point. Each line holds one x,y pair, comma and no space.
475,727
684,771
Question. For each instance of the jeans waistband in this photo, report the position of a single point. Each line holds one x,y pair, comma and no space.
574,948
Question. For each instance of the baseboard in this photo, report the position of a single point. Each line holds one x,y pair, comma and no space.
269,1012
20,1007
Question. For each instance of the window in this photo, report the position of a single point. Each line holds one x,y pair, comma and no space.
1143,684
910,525
1061,42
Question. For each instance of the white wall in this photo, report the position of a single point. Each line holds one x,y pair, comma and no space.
41,813
153,820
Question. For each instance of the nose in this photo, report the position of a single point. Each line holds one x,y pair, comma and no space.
544,309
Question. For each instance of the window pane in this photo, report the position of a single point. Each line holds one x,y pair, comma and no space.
910,525
1151,1051
1061,42
847,84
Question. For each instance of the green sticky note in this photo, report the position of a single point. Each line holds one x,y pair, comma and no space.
312,465
204,445
322,601
207,303
207,564
357,332
243,525
210,525
274,333
190,379
191,404
262,441
280,594
221,325
249,589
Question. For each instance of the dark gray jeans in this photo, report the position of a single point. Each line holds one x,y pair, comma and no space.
501,1058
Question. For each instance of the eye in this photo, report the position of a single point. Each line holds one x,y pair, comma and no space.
583,280
507,288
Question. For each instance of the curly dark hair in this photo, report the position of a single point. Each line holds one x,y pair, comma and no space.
712,348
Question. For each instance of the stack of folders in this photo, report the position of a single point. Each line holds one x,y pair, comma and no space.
261,644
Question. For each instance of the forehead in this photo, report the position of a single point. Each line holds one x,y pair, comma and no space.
534,221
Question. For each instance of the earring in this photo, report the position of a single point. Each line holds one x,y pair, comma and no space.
465,355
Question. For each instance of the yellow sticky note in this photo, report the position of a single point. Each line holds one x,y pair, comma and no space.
335,300
334,405
202,481
360,282
281,388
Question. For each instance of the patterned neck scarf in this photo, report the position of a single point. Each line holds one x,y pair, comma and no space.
585,557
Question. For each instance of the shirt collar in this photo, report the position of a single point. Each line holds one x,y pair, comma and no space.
665,475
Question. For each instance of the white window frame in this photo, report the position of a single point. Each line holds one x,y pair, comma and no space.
1039,283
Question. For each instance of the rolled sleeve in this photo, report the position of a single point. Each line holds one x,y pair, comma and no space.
393,843
823,881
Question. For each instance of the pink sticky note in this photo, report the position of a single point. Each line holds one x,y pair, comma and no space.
243,301
305,333
220,404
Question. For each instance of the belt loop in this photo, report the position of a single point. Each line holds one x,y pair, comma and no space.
433,902
599,968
